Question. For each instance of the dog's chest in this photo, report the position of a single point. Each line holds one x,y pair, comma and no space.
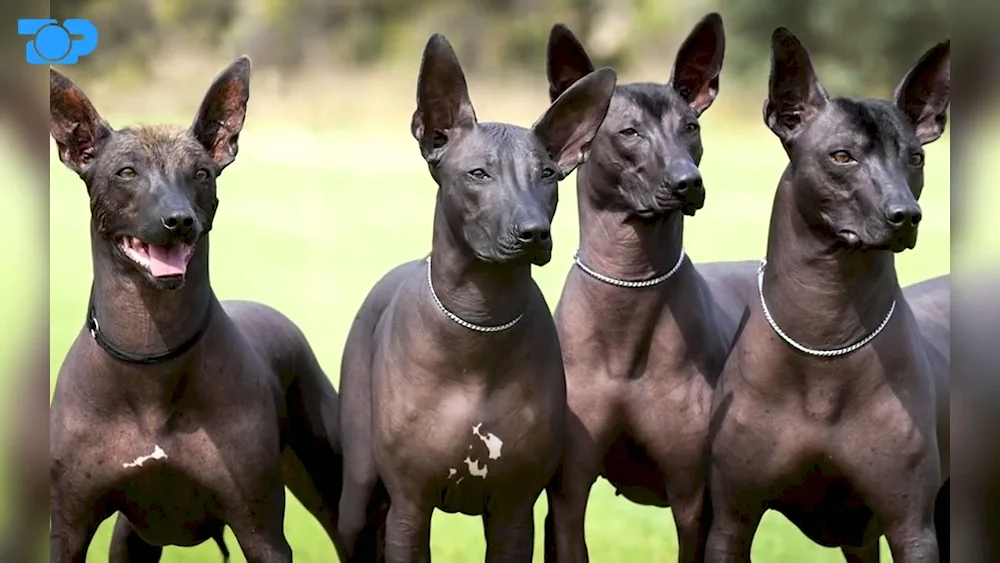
470,446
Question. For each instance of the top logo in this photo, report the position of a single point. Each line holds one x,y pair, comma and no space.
57,44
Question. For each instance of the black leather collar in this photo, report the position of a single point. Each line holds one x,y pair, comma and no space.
144,359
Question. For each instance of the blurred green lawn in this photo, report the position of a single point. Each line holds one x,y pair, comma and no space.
310,219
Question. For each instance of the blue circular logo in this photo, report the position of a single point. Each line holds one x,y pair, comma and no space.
52,42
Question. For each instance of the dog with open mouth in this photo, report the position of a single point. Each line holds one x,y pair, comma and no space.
181,413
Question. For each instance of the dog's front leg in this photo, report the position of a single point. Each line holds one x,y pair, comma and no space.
72,530
691,518
733,524
259,528
913,542
128,547
510,534
408,532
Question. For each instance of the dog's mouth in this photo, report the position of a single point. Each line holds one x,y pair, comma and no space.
850,239
689,208
897,243
651,212
539,253
160,261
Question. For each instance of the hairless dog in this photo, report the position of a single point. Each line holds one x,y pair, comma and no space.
453,386
833,405
644,332
181,413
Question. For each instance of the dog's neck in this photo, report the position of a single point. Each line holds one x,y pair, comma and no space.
478,292
143,320
619,247
821,294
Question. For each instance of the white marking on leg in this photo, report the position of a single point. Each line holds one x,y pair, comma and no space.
474,468
452,472
459,480
493,443
158,453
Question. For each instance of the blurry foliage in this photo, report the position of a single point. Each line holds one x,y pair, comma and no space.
860,46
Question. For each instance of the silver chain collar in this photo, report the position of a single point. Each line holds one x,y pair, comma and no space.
810,351
459,320
628,283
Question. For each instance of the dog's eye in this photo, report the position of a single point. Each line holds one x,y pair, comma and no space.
201,175
548,173
127,173
628,132
479,174
916,159
841,157
691,128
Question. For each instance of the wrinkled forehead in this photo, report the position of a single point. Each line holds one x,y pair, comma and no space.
877,124
161,146
497,144
647,100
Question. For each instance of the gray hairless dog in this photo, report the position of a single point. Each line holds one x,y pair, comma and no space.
833,405
181,413
644,333
452,382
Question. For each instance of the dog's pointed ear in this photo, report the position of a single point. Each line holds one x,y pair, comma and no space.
444,109
566,60
219,120
923,94
699,62
795,94
568,127
79,131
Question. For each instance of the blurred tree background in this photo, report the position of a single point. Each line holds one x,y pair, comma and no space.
860,46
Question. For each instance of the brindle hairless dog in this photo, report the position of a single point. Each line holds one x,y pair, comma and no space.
644,332
833,405
453,386
181,413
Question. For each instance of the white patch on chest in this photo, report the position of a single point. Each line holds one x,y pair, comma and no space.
493,443
474,468
452,472
158,453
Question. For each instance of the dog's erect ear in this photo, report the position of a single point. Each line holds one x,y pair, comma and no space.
567,128
699,63
794,94
220,118
443,105
79,131
923,93
566,61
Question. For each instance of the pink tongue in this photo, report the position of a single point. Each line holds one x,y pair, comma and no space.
167,260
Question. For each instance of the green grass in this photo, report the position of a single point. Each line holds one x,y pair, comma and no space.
309,221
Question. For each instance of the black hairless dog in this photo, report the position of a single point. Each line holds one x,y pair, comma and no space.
453,386
181,413
644,332
833,405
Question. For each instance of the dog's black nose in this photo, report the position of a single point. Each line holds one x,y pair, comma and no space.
684,182
902,214
178,221
533,232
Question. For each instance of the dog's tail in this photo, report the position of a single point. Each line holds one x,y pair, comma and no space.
220,540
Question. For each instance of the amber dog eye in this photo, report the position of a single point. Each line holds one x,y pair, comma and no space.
478,174
127,173
629,132
916,159
201,175
841,157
